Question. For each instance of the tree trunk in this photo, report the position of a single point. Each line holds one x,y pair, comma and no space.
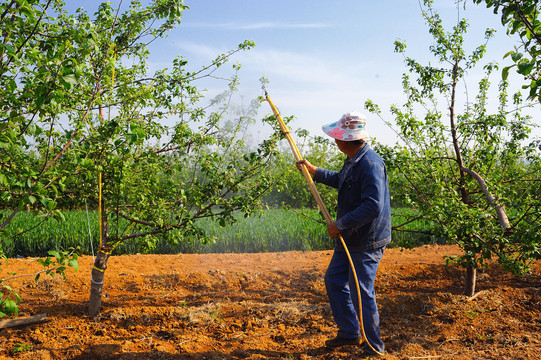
96,286
471,278
100,265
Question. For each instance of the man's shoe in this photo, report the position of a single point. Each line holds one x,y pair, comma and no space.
340,341
369,353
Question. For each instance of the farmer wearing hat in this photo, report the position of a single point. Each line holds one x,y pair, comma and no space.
364,222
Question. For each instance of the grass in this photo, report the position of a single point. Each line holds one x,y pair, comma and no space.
274,230
37,239
412,234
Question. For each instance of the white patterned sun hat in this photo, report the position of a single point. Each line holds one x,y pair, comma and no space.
350,127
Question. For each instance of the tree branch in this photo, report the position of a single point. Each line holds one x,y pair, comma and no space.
527,23
8,220
500,210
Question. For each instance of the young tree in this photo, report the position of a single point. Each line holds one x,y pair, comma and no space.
470,173
99,114
200,171
522,17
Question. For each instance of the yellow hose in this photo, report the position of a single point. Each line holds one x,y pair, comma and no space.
321,206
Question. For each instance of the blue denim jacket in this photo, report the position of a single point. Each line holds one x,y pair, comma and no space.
364,208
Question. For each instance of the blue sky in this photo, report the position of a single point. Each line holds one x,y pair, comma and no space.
322,58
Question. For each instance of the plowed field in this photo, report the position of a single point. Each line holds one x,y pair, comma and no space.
270,306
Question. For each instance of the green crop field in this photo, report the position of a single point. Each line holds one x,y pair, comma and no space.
273,230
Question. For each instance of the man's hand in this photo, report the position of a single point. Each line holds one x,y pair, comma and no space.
333,231
311,168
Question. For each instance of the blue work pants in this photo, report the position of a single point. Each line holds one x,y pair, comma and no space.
342,293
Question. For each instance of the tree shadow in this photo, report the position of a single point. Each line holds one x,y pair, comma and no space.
110,352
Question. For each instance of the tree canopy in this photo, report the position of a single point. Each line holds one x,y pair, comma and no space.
470,172
81,109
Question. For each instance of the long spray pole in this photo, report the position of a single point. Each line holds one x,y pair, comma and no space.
321,206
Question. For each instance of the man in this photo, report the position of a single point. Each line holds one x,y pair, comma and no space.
364,222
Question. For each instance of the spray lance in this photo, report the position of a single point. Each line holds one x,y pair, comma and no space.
320,205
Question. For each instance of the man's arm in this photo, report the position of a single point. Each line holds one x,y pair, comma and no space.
320,175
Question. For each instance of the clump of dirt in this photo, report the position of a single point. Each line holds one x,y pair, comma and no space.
270,306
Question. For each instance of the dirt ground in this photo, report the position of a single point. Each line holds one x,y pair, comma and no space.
270,306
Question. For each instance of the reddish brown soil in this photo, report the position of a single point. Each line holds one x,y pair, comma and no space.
270,306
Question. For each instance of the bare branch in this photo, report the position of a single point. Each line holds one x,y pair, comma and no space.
500,209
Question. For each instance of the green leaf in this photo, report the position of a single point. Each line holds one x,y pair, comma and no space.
516,56
70,81
505,72
525,67
28,12
55,253
74,264
87,162
10,307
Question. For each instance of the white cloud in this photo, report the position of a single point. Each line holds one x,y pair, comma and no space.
256,26
315,88
198,50
308,68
